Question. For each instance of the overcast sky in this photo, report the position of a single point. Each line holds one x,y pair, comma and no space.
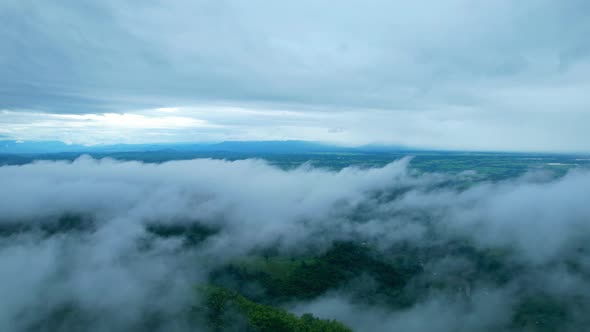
454,74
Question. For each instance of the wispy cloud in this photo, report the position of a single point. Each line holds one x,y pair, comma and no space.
107,260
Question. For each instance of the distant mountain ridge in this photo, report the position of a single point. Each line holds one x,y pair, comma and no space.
289,146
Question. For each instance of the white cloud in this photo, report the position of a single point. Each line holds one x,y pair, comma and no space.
451,74
106,271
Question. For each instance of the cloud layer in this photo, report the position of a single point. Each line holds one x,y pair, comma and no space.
104,260
446,73
97,261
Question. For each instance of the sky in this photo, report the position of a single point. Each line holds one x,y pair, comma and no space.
454,74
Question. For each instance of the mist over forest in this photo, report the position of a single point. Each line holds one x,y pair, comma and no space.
217,245
294,166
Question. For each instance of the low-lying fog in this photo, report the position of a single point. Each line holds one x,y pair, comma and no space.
76,233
